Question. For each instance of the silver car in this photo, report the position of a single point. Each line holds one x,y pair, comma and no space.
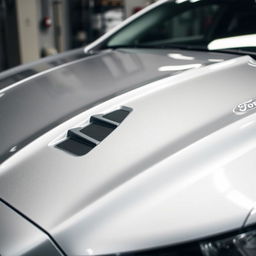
142,143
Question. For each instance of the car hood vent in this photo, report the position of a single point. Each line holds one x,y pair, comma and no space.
82,140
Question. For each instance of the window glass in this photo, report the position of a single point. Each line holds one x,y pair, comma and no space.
168,23
192,23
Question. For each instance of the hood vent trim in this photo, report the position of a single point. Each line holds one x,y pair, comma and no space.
82,140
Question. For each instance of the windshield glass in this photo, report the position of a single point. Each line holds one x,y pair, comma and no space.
203,24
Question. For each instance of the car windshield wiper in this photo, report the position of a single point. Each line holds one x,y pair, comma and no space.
182,47
236,51
205,49
135,46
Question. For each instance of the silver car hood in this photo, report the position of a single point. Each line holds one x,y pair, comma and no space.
180,166
36,104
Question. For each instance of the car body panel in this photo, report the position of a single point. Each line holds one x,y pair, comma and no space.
33,106
20,237
11,77
158,177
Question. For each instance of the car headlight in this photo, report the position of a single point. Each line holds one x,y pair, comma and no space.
235,244
240,245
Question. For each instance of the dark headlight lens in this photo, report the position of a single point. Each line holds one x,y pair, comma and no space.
235,244
241,245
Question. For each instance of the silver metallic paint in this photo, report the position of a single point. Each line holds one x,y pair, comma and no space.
35,105
181,152
19,237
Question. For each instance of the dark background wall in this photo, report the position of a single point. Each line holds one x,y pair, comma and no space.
31,29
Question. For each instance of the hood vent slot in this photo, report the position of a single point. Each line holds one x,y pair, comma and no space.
81,141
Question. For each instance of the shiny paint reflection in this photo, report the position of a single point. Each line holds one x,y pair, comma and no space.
178,56
64,91
179,67
225,187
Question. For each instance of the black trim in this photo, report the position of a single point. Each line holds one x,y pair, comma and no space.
82,140
102,120
76,134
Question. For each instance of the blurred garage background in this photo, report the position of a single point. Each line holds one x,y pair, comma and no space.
31,29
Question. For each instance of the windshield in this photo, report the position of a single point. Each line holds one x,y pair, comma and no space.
203,24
